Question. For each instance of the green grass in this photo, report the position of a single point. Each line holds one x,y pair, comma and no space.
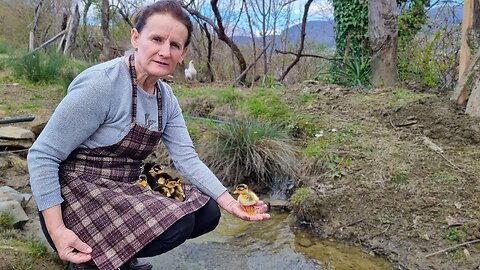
445,177
266,105
6,221
399,178
307,98
300,195
454,235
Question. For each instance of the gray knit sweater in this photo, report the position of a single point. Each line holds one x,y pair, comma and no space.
96,112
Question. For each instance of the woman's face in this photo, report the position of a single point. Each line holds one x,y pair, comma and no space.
160,45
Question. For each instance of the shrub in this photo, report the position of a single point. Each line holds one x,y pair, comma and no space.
39,67
6,221
249,149
300,196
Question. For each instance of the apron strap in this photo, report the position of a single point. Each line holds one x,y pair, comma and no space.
133,76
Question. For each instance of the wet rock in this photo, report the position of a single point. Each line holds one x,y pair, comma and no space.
279,204
19,216
304,242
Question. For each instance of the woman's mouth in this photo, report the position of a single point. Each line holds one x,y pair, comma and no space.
161,63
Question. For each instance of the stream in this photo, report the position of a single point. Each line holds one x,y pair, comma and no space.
271,244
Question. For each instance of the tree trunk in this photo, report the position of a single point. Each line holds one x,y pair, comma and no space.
473,105
302,41
460,95
209,53
36,17
220,30
106,53
72,28
383,35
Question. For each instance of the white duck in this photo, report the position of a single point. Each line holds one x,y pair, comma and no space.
190,72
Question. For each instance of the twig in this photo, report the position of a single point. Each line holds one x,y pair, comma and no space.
452,248
382,232
308,55
350,224
239,78
13,151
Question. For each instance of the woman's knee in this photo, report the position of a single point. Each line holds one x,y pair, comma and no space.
179,231
206,219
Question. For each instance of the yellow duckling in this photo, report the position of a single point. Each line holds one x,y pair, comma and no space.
173,189
160,174
246,198
143,182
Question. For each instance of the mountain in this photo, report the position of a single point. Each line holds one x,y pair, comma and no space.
322,31
318,31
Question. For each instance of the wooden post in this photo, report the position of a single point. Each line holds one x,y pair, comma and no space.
460,95
72,28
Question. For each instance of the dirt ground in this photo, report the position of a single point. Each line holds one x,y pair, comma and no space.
408,185
411,188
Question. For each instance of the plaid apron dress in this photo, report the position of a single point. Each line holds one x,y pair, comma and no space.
103,205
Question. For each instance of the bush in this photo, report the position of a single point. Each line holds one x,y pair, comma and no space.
249,150
6,221
39,67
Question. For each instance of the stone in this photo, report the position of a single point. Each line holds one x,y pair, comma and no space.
41,119
20,164
16,133
15,144
304,242
19,216
279,204
9,194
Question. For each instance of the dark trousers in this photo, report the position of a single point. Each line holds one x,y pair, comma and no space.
190,226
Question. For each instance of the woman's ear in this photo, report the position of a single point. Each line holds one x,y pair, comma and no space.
134,35
184,53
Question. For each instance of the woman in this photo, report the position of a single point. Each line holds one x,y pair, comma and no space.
84,164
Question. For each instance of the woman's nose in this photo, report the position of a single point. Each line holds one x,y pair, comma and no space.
164,49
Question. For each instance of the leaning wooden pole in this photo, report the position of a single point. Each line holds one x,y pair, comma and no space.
460,95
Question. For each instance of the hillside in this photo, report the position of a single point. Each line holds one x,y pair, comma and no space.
390,170
399,175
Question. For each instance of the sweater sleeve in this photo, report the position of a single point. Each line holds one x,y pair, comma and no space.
75,119
180,147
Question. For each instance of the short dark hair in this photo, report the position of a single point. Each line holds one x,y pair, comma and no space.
172,7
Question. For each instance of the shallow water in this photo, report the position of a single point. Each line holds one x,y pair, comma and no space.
272,244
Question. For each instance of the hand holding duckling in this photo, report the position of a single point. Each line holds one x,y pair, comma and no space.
246,198
256,209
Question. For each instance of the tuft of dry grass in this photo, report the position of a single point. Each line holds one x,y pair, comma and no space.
249,150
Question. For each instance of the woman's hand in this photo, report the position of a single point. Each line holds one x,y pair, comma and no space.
69,246
227,202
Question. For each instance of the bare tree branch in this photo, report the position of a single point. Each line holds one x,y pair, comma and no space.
302,41
220,30
308,55
244,73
